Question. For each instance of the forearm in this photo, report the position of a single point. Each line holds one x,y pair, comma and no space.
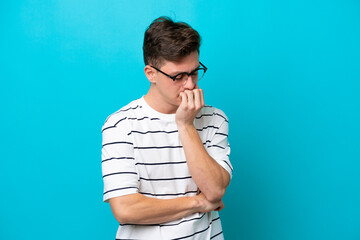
139,209
210,177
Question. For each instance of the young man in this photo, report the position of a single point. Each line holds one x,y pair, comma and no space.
165,156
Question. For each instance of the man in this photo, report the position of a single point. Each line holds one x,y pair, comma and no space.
165,156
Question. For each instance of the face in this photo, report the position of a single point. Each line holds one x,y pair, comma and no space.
168,93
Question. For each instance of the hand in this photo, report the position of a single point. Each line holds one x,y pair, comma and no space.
191,103
207,206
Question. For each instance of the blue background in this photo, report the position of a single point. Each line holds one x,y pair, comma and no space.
286,73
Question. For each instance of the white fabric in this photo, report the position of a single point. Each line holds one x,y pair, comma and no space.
142,153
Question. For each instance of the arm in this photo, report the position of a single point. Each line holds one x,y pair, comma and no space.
211,178
139,209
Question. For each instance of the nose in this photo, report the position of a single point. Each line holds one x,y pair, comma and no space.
189,84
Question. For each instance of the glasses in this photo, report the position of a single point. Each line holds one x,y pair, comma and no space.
181,78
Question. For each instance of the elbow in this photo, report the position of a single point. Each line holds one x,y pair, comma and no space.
216,195
126,216
121,218
122,215
122,212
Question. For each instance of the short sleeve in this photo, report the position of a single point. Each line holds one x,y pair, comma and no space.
219,147
119,172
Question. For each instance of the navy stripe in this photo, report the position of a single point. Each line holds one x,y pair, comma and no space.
207,141
124,110
188,220
158,147
119,173
216,235
116,143
113,158
204,115
107,128
130,108
213,114
210,126
223,134
145,117
175,224
118,189
120,121
213,220
164,179
197,231
167,225
161,163
168,194
222,117
114,124
152,132
216,146
139,119
228,165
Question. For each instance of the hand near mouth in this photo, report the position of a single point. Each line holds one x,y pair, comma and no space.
192,101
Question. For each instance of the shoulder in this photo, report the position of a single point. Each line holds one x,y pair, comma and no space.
216,113
122,114
210,117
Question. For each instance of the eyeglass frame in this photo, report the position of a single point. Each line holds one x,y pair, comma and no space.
188,74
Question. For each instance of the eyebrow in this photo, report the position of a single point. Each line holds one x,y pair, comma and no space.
178,72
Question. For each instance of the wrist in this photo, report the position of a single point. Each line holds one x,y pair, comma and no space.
196,204
184,126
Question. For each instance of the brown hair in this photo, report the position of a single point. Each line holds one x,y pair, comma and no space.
168,40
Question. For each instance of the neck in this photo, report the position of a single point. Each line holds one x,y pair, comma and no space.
157,102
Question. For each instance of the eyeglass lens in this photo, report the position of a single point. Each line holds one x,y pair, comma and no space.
195,76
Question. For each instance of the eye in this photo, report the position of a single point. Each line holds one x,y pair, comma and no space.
180,76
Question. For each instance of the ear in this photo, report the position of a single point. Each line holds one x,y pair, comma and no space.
150,74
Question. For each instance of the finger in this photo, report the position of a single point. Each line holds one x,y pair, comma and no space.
220,207
202,97
183,99
190,99
197,99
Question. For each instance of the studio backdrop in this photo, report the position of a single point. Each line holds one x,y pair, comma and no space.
286,73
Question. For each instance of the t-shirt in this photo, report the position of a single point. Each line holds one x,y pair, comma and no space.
142,153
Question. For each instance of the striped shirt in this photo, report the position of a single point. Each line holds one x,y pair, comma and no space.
142,153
